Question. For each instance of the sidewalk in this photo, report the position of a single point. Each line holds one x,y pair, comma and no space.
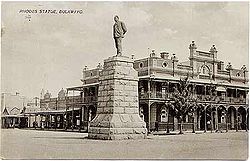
59,130
152,133
196,132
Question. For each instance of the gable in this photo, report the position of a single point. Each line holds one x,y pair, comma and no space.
5,112
14,111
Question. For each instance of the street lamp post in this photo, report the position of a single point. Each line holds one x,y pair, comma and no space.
212,112
151,76
212,119
66,119
174,59
226,116
193,122
237,121
205,119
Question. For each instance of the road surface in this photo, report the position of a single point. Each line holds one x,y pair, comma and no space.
33,144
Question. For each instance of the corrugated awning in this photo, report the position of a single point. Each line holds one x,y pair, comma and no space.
90,84
53,111
19,115
80,88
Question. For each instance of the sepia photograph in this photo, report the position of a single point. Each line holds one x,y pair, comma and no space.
124,80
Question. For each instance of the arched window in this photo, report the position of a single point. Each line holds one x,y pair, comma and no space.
141,65
205,70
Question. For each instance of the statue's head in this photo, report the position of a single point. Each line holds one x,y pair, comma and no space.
116,18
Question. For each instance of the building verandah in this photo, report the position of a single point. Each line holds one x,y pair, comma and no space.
221,91
81,104
70,119
72,110
159,116
82,110
14,121
225,107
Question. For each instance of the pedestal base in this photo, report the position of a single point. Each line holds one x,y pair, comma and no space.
118,103
117,127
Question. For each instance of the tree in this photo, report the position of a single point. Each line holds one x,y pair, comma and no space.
183,101
192,110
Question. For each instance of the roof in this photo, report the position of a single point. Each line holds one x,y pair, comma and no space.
201,81
12,115
52,111
80,88
5,111
185,63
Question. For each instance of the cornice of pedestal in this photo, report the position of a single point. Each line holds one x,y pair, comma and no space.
119,58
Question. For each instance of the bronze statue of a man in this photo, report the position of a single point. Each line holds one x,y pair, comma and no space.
119,30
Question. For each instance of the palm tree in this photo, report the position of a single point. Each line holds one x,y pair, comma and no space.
183,102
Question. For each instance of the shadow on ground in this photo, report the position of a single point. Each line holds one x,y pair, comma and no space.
81,138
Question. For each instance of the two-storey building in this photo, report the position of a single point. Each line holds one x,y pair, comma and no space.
223,109
221,92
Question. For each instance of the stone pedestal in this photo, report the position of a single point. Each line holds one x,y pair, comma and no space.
118,103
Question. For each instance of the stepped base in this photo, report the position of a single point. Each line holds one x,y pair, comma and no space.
117,127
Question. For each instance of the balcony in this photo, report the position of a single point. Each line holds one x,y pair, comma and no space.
236,100
79,100
221,99
201,98
73,99
90,99
156,95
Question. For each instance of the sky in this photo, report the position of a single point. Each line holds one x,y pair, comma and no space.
50,51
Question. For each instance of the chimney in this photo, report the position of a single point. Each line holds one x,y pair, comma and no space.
164,55
222,65
192,48
213,51
152,53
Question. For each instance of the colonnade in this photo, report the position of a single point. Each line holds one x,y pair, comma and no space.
207,117
77,119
